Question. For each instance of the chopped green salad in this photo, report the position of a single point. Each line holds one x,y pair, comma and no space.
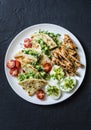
44,47
28,75
31,52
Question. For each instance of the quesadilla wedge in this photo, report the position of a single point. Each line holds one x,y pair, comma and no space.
32,85
28,68
24,58
48,40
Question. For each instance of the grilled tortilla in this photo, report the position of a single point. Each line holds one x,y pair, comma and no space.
32,85
24,58
28,68
48,40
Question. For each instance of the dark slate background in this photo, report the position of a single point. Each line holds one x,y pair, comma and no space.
72,114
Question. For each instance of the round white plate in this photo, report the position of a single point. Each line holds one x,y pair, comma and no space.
15,46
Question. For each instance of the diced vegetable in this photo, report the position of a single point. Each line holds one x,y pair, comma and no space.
38,67
14,72
42,73
31,52
44,47
17,64
33,64
47,67
27,75
21,77
27,43
40,94
11,64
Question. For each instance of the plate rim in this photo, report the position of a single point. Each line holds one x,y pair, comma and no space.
17,35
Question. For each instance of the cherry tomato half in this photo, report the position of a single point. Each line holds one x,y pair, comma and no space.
14,72
40,94
27,43
11,64
17,64
47,67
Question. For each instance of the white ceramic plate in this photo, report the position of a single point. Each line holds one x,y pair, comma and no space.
15,46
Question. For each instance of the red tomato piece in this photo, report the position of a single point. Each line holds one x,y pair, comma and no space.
14,72
11,64
27,40
40,94
17,64
47,67
27,43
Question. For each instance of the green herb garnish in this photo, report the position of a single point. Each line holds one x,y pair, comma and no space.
44,47
28,75
31,52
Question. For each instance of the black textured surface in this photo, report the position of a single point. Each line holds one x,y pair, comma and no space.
74,113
